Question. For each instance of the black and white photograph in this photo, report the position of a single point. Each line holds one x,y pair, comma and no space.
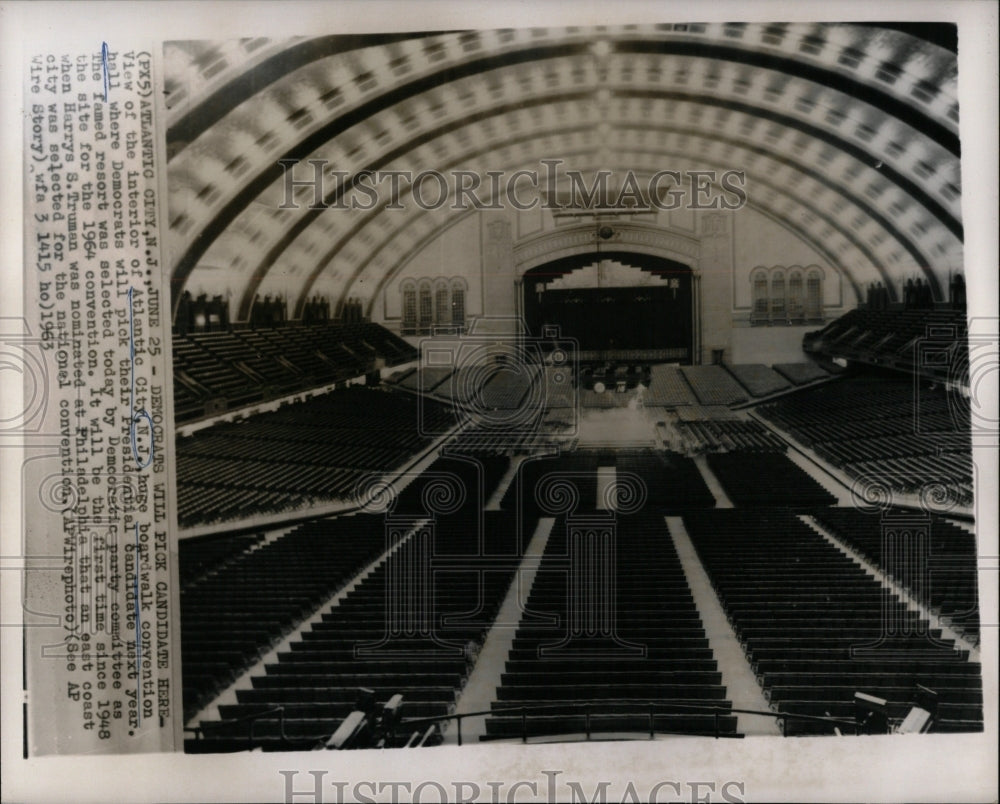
489,394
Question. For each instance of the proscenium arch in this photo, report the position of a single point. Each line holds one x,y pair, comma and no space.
648,246
649,260
669,326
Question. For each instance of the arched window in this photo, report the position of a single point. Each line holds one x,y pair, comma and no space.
758,280
778,310
409,325
458,305
424,308
796,311
814,295
442,307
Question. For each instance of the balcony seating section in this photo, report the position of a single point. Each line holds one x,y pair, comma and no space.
673,676
189,402
246,366
764,479
668,388
896,338
231,617
299,455
758,379
713,385
801,373
211,373
812,624
951,578
886,427
198,557
372,639
728,435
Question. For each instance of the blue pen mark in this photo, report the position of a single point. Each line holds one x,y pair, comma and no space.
137,415
104,69
138,632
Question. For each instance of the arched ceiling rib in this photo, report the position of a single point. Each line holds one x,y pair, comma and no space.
848,135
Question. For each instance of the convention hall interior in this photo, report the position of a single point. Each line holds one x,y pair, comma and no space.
672,442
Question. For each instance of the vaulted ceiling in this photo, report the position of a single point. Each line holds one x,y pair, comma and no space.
848,135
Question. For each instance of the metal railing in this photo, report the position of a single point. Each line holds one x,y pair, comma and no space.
651,713
653,710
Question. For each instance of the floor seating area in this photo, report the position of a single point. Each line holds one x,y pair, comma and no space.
949,586
812,625
668,388
299,455
713,385
472,478
485,387
673,482
885,427
425,379
728,435
541,484
228,369
409,627
801,373
232,615
673,386
655,663
758,379
764,479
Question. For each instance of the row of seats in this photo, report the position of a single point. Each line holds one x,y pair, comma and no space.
617,647
937,561
668,388
412,627
728,435
232,368
758,379
299,455
677,386
764,479
231,616
671,481
899,431
801,373
560,484
201,556
817,628
713,385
